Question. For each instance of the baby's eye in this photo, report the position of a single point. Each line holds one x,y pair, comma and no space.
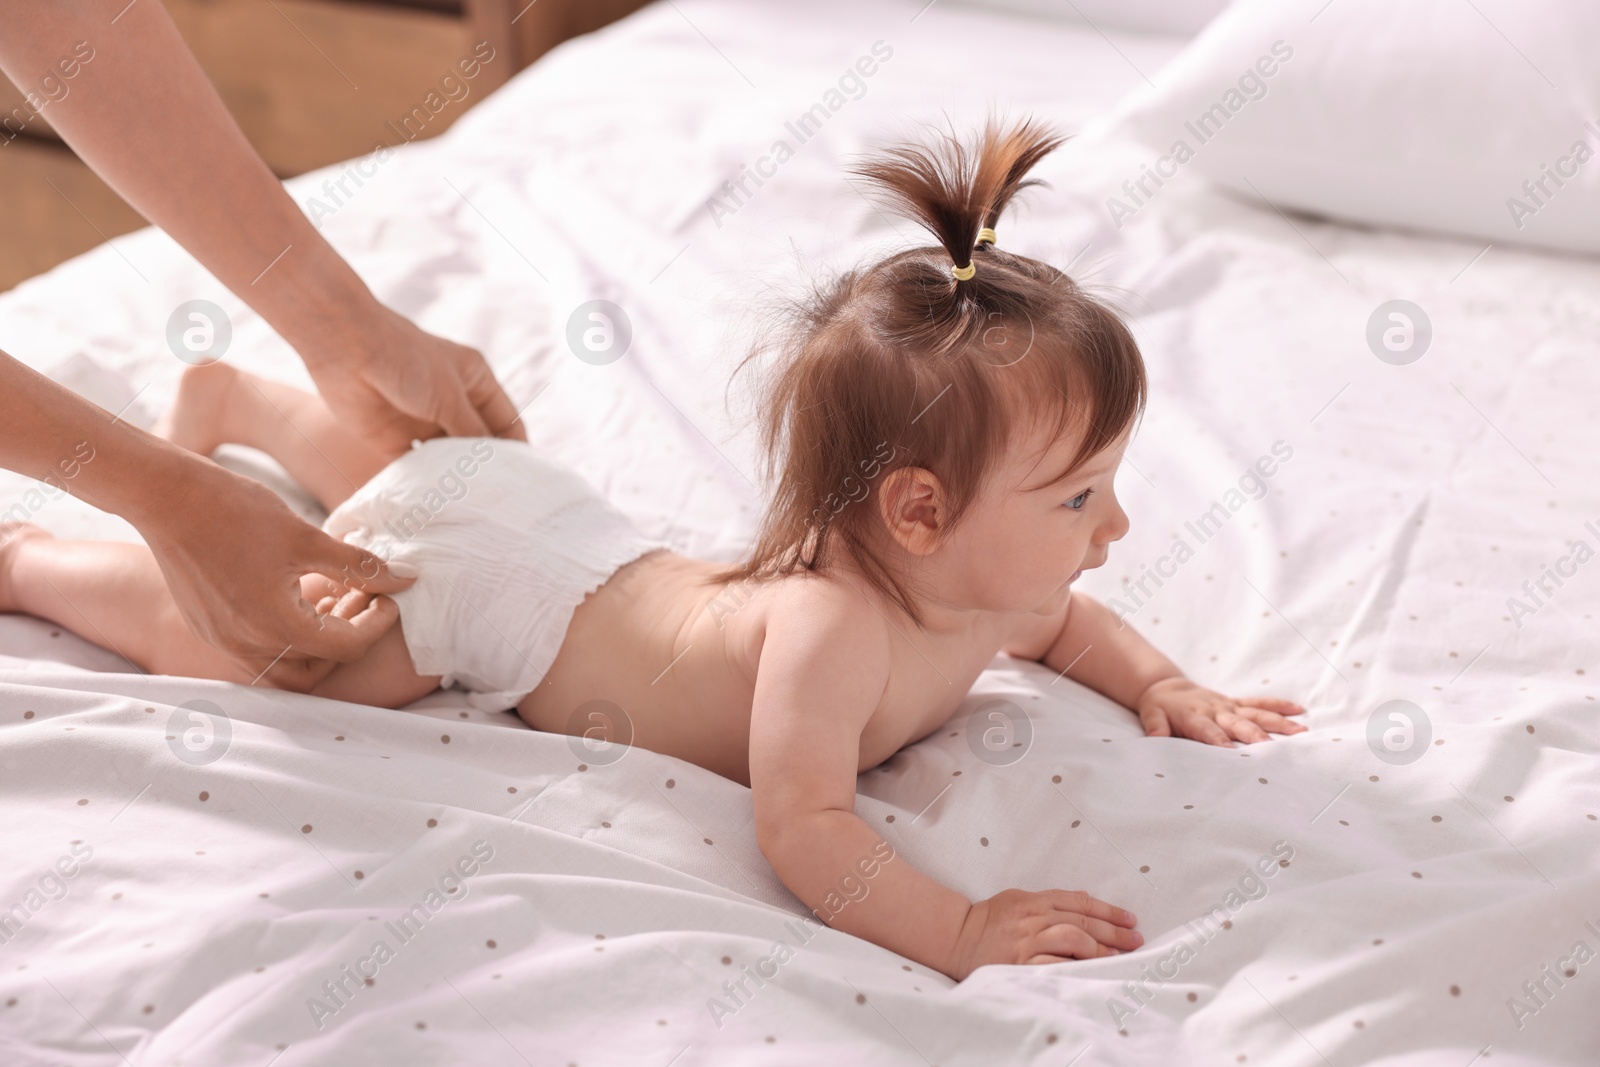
1077,502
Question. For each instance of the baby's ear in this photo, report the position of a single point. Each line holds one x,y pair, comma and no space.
911,502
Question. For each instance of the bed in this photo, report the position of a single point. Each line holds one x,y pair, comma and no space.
237,856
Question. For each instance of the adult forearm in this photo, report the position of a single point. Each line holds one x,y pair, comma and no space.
1107,654
56,436
146,118
854,880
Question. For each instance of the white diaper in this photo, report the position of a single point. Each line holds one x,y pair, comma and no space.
507,546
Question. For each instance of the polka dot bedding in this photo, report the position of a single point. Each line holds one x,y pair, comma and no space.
198,873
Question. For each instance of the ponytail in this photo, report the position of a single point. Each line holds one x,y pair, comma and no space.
958,190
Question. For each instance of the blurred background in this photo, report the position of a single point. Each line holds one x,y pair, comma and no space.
311,82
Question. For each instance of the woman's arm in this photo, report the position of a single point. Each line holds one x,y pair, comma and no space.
142,113
231,551
823,672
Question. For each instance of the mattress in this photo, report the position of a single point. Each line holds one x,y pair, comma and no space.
269,878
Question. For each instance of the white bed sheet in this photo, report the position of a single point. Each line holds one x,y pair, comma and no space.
1418,900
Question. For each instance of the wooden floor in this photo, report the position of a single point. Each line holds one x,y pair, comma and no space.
55,208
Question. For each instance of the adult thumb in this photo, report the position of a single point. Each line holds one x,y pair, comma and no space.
354,567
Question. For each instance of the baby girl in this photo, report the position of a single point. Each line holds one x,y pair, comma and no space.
943,429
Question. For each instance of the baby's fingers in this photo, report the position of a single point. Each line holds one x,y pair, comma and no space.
1202,727
1154,721
1242,728
1073,942
1076,901
1114,937
1282,707
1271,720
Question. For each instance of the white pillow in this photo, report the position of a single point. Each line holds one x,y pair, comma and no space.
1179,18
1479,119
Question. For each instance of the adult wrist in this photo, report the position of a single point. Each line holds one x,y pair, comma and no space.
324,311
152,483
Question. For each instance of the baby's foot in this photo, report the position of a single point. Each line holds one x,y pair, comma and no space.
198,419
12,535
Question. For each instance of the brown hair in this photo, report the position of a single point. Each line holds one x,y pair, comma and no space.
903,364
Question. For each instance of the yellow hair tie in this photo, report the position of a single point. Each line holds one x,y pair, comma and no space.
963,274
986,234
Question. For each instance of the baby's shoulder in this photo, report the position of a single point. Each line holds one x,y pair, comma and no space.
826,611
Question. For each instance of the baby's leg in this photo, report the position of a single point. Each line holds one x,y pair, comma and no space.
219,404
115,596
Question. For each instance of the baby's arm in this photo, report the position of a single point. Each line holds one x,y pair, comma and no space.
1108,655
824,670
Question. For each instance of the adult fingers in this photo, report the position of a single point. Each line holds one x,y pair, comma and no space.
339,639
349,566
457,413
491,401
351,604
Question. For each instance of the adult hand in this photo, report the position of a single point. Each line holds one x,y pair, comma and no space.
241,592
142,91
396,383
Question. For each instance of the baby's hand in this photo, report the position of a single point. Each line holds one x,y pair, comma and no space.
1178,707
1017,926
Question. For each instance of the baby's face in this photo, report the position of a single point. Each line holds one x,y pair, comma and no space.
1025,539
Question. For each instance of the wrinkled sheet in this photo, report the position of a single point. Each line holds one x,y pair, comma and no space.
232,874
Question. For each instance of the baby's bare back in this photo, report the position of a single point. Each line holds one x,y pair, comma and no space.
666,659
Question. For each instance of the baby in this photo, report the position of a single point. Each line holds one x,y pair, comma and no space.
943,427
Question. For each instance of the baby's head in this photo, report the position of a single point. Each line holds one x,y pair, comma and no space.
953,435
